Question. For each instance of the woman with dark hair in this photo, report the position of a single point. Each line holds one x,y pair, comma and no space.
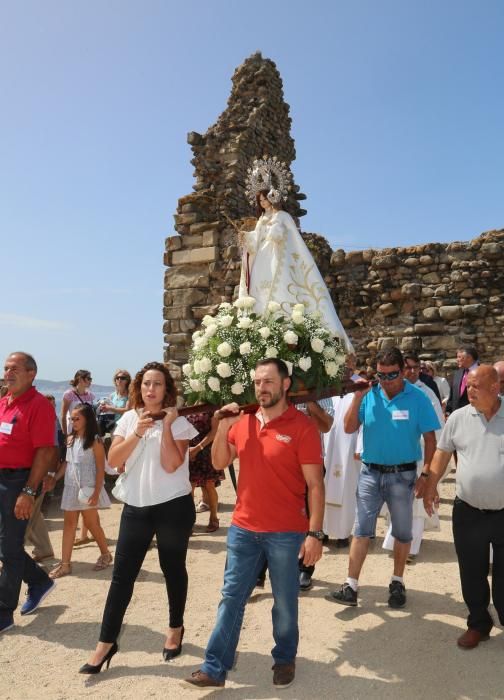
79,393
152,441
83,492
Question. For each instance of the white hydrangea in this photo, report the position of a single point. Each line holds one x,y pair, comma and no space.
273,306
207,320
271,352
305,363
244,303
197,367
225,305
290,338
205,364
224,349
244,322
331,368
329,353
252,374
237,388
289,366
200,343
264,332
196,335
213,383
187,369
223,370
195,384
317,344
211,330
245,348
225,321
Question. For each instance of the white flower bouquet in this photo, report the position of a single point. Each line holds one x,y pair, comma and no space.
225,351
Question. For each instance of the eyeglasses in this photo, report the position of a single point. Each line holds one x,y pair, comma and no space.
87,379
121,377
412,368
389,376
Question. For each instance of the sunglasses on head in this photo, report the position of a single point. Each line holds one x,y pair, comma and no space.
121,376
389,376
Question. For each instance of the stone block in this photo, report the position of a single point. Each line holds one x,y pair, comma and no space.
426,260
450,313
195,255
177,312
412,290
185,297
431,313
439,342
354,257
178,339
338,258
388,309
411,262
192,241
432,278
173,243
428,328
204,226
427,291
474,310
492,250
210,238
200,311
385,262
186,276
411,343
384,343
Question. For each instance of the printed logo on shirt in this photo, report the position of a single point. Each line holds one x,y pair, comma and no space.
400,415
283,438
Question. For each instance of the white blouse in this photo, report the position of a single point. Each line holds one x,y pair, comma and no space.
145,482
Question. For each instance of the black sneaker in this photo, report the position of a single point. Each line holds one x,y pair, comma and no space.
345,595
397,597
305,581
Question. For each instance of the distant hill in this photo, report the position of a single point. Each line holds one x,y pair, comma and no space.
46,386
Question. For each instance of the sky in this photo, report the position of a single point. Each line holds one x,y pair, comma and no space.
397,111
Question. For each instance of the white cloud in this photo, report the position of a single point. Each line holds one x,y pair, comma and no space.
15,321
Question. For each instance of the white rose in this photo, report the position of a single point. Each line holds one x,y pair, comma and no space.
207,320
200,343
264,332
187,369
237,388
329,353
290,337
245,348
299,308
331,368
225,305
317,345
205,364
224,349
273,306
249,302
225,321
213,383
196,334
271,352
297,317
195,384
305,363
239,303
252,374
289,366
244,322
197,366
210,331
223,370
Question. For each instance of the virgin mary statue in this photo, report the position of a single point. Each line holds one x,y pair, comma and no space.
276,263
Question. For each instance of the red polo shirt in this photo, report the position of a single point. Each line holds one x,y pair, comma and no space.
271,485
26,424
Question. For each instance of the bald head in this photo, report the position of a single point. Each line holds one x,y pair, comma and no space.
499,368
483,387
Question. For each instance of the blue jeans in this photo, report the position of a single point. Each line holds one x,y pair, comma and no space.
247,552
397,490
17,566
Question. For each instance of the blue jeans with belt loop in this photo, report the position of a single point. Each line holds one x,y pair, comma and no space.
246,553
17,566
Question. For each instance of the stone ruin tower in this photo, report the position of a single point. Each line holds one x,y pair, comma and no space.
203,259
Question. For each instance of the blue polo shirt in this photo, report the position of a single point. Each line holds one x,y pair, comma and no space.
392,428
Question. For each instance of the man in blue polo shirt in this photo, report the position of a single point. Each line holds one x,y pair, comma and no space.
394,415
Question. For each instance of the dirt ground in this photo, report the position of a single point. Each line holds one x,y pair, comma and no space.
365,652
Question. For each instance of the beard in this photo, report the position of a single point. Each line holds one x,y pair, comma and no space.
267,399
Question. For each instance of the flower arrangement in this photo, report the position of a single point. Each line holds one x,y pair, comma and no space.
225,351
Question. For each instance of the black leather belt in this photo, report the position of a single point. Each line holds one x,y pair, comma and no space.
391,468
14,470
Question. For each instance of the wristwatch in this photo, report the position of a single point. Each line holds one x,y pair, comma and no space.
318,534
29,491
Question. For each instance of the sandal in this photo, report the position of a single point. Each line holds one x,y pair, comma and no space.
212,526
82,540
103,561
64,568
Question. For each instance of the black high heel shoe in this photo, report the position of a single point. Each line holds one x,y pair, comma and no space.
169,654
91,670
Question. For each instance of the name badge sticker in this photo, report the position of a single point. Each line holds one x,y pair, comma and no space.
400,415
6,428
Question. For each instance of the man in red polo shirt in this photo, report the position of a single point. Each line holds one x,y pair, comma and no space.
280,455
27,451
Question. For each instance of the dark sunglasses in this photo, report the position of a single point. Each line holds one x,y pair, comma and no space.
389,376
120,376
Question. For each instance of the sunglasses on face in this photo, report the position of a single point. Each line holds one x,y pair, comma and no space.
389,376
121,377
412,368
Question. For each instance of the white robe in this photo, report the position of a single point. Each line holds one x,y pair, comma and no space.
342,473
421,520
277,266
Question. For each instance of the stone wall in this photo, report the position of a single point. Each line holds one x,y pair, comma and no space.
430,298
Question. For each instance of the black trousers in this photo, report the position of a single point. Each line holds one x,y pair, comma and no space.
171,522
473,533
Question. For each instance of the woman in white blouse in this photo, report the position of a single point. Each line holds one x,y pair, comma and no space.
156,491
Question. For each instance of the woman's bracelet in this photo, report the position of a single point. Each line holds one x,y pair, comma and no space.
138,436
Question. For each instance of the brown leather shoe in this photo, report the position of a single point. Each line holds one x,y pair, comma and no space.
283,675
199,679
471,638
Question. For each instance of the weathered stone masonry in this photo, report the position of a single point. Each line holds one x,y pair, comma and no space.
429,298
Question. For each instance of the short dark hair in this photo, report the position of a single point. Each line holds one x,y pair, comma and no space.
282,368
469,350
410,355
390,356
29,360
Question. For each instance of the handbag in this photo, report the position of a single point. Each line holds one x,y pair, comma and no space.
85,492
119,491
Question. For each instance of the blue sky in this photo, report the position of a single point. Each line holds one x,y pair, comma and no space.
397,116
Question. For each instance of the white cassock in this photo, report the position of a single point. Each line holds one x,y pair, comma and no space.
277,266
342,473
421,520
